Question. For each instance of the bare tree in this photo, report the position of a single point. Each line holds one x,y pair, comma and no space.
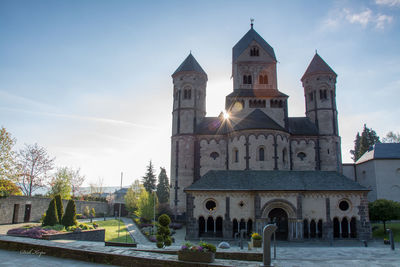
76,180
97,188
33,166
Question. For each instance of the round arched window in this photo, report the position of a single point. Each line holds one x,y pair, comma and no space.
344,205
211,205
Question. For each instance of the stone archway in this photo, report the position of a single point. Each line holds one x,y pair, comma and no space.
280,217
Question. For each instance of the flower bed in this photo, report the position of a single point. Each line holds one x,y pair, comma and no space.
34,232
203,252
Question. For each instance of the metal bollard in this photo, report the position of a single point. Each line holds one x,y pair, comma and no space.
391,239
267,233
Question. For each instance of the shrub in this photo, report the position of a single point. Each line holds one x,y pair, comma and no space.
42,219
256,236
163,232
57,227
69,218
60,208
202,247
80,216
86,211
95,225
34,232
92,213
208,247
51,214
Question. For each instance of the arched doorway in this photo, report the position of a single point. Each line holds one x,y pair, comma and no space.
249,227
280,217
202,226
210,226
234,227
305,229
313,229
336,228
319,229
218,227
345,228
353,228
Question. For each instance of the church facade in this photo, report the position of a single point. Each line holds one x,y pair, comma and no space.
254,164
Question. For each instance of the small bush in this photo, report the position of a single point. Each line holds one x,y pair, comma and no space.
256,236
208,247
86,211
95,225
60,208
42,219
92,213
160,244
163,232
69,218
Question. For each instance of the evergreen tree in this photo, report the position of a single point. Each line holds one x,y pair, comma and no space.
149,180
69,218
364,142
60,208
163,233
163,186
51,214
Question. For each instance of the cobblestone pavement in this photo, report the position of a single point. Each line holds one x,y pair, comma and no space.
34,258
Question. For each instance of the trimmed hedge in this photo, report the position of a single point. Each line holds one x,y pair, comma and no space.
51,214
69,218
60,208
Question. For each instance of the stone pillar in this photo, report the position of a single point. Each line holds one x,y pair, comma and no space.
192,225
215,226
327,226
227,224
299,216
363,225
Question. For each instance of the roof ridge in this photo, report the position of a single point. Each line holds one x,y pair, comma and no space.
317,65
190,64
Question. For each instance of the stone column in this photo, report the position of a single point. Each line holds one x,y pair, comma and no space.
363,225
327,226
192,225
227,223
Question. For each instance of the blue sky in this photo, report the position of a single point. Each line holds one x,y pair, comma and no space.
91,80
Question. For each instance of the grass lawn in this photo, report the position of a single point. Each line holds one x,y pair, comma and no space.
111,227
395,227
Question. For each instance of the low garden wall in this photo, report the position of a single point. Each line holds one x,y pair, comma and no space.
85,235
16,206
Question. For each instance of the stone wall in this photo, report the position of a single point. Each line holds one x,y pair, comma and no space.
39,206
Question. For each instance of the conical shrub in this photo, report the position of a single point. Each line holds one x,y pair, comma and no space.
69,218
51,214
60,208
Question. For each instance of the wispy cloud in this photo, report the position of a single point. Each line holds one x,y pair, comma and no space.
80,117
365,18
388,2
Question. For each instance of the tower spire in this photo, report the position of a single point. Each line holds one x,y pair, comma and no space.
251,22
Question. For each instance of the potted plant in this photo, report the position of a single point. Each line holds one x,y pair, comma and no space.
386,241
256,240
204,252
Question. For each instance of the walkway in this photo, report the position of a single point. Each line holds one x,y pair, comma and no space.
135,233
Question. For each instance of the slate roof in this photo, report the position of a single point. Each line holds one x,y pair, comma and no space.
302,126
381,151
318,65
190,64
212,126
256,93
246,41
274,181
257,120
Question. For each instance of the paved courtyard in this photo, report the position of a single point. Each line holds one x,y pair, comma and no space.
289,254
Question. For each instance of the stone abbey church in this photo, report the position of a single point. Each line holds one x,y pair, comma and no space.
258,165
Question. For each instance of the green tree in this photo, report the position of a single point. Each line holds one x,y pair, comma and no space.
384,210
146,206
149,180
92,213
132,196
163,233
61,183
391,137
69,218
7,156
60,207
51,214
363,143
163,186
8,188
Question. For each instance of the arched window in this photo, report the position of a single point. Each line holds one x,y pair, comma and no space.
336,228
244,79
284,155
187,93
319,228
323,94
263,79
305,229
301,155
235,155
261,154
313,229
254,52
249,79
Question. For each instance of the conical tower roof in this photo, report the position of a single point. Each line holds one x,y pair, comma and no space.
318,66
190,64
246,40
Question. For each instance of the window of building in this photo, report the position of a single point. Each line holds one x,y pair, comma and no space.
214,155
187,93
211,205
247,79
257,103
241,204
323,94
261,154
344,205
263,79
284,155
276,103
254,52
301,155
235,155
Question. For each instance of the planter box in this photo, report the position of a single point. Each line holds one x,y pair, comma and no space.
256,243
196,256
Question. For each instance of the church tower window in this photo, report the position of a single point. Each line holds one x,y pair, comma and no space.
263,79
247,79
254,52
187,93
323,94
